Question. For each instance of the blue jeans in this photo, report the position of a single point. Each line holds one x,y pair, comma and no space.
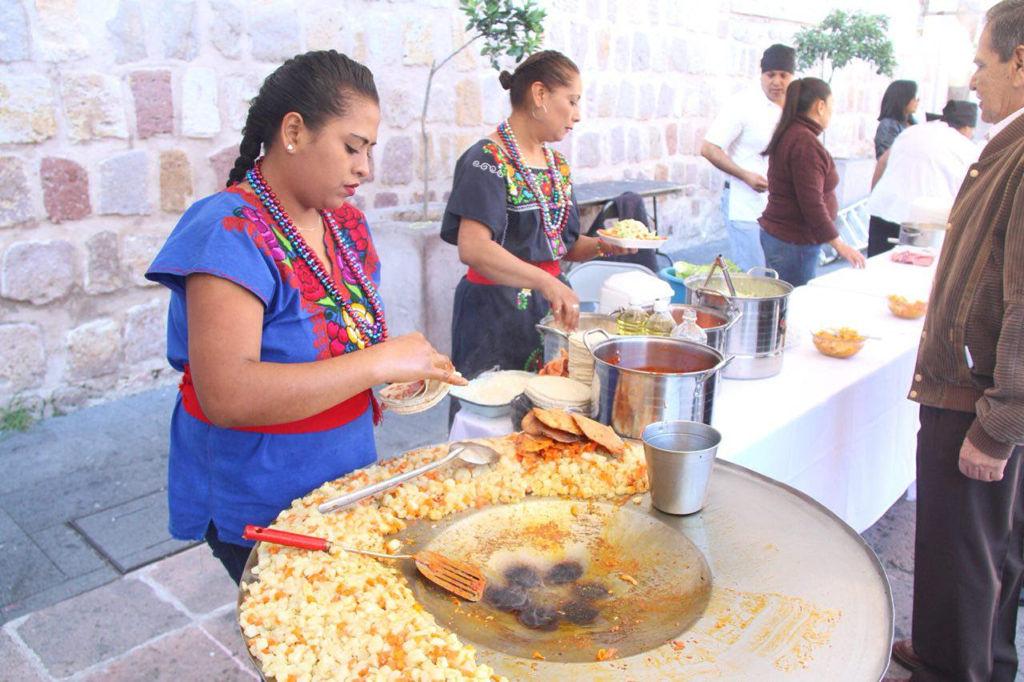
795,263
744,242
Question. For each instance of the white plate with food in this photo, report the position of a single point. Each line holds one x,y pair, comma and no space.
630,234
490,394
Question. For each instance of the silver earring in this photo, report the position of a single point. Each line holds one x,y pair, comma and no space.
534,112
290,147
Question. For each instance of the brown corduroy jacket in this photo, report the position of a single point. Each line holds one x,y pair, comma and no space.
971,356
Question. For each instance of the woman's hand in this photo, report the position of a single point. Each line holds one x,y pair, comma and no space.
410,357
852,255
607,249
565,304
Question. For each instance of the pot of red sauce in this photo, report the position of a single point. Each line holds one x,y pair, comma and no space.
639,380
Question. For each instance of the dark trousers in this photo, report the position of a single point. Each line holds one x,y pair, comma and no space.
879,232
967,559
232,556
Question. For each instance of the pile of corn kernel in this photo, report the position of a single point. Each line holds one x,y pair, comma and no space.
317,615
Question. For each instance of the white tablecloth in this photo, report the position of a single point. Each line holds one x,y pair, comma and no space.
841,431
881,277
471,425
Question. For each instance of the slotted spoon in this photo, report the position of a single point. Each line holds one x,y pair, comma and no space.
458,577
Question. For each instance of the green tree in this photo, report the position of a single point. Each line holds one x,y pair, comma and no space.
842,37
507,27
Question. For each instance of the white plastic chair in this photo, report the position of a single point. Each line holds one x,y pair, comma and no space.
586,278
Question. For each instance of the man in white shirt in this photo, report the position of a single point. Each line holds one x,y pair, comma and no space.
927,160
733,144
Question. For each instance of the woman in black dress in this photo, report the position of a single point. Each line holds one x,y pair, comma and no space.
512,214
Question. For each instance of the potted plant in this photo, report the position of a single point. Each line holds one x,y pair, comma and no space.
507,27
842,37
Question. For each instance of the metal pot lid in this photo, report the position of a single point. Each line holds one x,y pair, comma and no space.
748,287
796,593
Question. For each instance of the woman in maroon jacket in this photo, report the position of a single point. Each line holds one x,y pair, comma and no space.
802,179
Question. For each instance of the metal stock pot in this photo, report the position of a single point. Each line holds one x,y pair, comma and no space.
556,338
639,380
924,235
715,323
758,336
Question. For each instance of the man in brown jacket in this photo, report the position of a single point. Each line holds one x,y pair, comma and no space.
969,380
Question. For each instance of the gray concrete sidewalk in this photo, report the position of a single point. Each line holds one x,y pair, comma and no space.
83,496
92,587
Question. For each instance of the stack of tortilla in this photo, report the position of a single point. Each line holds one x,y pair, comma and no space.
581,360
560,393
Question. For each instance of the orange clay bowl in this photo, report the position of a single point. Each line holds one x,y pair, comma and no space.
908,310
835,346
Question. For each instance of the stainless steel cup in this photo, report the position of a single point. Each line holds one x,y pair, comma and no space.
680,457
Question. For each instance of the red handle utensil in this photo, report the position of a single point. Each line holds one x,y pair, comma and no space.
283,537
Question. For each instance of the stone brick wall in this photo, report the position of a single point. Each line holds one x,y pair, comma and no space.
116,114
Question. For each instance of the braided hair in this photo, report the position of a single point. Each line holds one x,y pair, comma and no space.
550,67
317,85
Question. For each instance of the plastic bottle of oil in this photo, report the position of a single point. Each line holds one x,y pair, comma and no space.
631,321
689,329
661,322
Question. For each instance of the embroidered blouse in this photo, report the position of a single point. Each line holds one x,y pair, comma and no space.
487,188
237,477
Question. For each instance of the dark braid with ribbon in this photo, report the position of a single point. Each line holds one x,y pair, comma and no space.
317,85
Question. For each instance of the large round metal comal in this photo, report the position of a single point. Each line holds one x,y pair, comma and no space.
762,583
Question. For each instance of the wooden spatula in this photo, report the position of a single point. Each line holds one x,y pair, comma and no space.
458,577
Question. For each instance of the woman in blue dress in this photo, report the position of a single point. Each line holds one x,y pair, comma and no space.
275,318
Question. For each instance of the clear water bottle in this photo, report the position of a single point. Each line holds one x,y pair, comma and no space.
661,322
631,321
689,329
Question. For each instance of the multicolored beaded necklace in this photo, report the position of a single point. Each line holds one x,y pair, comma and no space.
371,333
552,225
555,213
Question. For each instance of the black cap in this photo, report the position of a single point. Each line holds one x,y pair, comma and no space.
960,114
779,57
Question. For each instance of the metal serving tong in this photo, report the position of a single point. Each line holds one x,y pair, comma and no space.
719,263
458,577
